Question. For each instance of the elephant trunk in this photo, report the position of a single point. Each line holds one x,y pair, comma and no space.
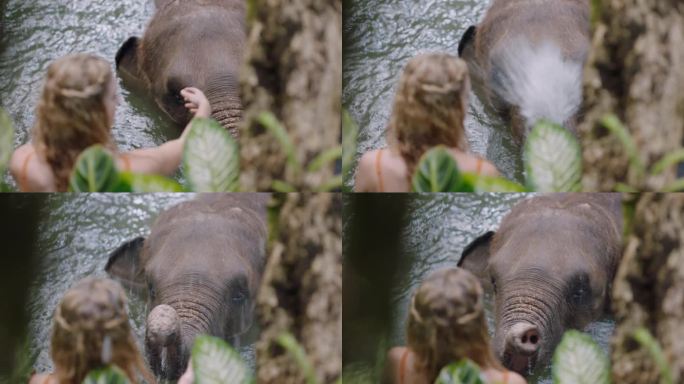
223,93
529,323
163,341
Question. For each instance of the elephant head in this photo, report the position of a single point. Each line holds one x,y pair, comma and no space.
550,266
526,57
199,269
195,43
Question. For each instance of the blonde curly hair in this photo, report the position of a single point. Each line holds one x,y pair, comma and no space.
71,113
446,322
90,330
429,107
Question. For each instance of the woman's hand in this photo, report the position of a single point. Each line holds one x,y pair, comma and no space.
196,102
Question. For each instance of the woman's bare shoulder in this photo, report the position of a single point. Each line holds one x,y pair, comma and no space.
19,157
42,378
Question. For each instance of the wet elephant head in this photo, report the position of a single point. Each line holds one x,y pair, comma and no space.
200,269
526,58
550,266
195,43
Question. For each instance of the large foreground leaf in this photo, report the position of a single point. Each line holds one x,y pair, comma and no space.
436,172
349,137
215,362
6,140
108,375
481,183
553,160
579,360
94,171
139,183
211,158
462,372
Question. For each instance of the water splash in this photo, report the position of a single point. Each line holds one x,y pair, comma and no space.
538,80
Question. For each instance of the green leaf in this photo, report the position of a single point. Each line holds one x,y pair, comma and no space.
6,140
437,172
462,372
139,183
644,337
482,183
296,351
614,126
215,362
211,160
667,161
107,375
272,125
324,158
579,360
282,186
94,171
553,160
350,133
331,185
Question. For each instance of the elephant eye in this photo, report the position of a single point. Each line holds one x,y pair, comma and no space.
580,290
179,99
493,283
151,291
238,296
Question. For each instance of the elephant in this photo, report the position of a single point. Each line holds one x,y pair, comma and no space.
526,57
550,266
199,270
196,43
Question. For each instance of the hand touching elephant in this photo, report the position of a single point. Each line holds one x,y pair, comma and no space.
192,43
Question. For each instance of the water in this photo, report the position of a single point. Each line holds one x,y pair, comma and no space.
440,226
75,237
380,36
36,32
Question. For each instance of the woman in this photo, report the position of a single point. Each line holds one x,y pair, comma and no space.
76,110
446,323
429,110
90,329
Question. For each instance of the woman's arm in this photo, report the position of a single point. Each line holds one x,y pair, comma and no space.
364,173
166,158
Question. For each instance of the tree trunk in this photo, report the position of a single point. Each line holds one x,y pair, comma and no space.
302,289
293,70
649,290
635,71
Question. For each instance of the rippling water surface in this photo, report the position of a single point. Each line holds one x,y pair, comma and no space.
380,36
75,237
36,32
438,229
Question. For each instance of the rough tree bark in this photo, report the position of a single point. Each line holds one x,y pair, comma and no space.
649,290
635,71
301,291
294,70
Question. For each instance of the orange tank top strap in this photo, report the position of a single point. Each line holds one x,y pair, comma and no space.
402,365
378,170
478,167
23,173
505,377
126,162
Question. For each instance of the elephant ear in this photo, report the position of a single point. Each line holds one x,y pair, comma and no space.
127,63
475,258
466,47
124,265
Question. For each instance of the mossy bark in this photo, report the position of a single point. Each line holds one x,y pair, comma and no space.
635,71
293,69
649,290
301,293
